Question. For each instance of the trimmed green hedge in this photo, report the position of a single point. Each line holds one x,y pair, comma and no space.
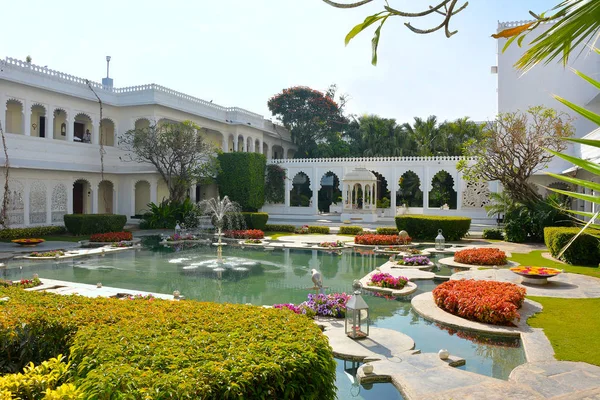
425,227
585,250
242,178
31,232
387,231
256,220
318,229
280,228
495,234
163,349
87,224
351,230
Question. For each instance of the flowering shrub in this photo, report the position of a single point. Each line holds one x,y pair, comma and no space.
413,252
416,260
245,234
111,237
483,256
483,301
253,241
177,237
536,271
121,244
23,283
335,244
303,230
52,253
326,305
385,280
27,241
375,240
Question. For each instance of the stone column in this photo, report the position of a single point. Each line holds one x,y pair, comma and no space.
27,118
459,190
425,185
153,190
95,197
50,123
287,193
193,193
235,143
69,123
284,156
95,132
70,197
132,200
115,200
3,112
316,185
260,146
225,145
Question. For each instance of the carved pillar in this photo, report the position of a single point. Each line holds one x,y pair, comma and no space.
193,193
95,197
315,193
50,123
153,190
236,140
69,125
27,118
426,184
95,132
225,145
288,185
132,200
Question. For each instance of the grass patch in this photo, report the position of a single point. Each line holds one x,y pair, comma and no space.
535,258
573,327
277,235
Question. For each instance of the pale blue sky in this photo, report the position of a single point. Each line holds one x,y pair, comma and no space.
241,52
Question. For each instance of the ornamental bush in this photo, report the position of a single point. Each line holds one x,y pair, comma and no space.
385,280
585,250
87,224
279,228
242,178
482,256
256,220
111,237
490,302
496,234
351,230
33,231
326,305
425,227
318,229
163,349
245,234
386,231
379,240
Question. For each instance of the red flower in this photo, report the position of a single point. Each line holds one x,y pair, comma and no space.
483,256
111,237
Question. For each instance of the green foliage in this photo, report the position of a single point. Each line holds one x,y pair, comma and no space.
351,230
256,220
279,228
318,229
585,250
242,179
527,222
410,192
275,184
87,224
425,227
386,231
442,191
383,203
167,213
30,232
164,349
496,234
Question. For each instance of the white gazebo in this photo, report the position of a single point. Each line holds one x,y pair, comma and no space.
359,195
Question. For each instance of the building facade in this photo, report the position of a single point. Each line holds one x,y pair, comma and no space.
52,125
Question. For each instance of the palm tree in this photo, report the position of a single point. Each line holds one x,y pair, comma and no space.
425,134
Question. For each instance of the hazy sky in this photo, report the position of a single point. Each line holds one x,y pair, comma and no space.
242,52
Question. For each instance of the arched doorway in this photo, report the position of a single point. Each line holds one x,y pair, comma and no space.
142,123
107,135
382,191
357,197
60,124
329,192
409,192
38,120
300,195
442,191
105,197
14,117
142,197
82,128
82,197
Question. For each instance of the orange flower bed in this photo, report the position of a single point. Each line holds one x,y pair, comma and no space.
483,256
378,240
490,302
245,234
536,271
111,237
27,241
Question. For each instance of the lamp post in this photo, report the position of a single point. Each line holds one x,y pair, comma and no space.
357,315
440,241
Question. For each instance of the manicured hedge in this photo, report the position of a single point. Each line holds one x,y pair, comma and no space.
256,220
490,302
351,230
163,349
496,234
242,178
386,231
425,227
31,232
87,224
280,228
584,250
318,229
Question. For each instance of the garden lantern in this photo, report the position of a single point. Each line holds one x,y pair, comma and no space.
357,315
177,228
403,236
440,241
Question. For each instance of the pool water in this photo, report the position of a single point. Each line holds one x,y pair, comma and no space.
279,276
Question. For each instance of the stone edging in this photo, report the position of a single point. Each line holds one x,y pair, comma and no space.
449,262
408,289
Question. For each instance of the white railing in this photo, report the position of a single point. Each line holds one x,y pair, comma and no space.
512,24
369,159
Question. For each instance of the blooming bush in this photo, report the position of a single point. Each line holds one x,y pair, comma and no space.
121,244
253,241
483,256
111,237
303,230
536,271
375,240
177,237
415,260
52,253
483,301
385,280
335,244
413,252
23,283
245,234
326,305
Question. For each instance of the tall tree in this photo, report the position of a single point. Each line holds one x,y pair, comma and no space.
311,116
177,151
512,149
426,136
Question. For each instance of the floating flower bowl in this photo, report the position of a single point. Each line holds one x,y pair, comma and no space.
28,242
535,275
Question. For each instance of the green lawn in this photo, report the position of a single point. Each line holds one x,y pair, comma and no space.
572,326
535,258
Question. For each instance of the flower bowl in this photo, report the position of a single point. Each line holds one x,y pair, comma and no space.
535,275
28,242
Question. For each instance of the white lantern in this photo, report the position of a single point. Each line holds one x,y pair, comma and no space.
357,315
177,228
440,241
443,354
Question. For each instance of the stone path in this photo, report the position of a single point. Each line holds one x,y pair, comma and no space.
449,262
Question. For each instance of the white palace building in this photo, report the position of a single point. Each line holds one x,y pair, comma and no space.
55,165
